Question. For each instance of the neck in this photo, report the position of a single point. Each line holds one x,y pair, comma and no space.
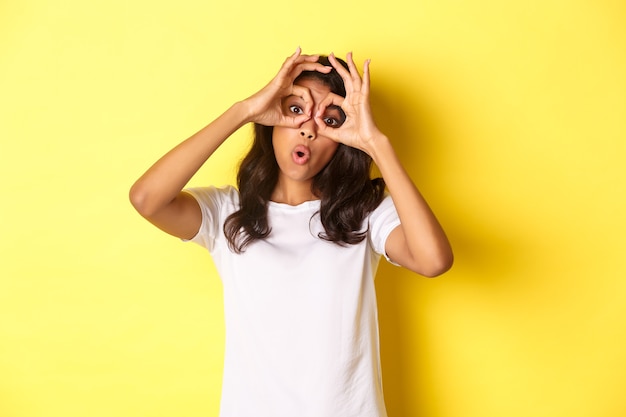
293,194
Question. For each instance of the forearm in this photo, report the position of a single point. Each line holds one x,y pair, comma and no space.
164,180
426,243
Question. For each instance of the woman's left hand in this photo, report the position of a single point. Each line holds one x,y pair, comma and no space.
358,130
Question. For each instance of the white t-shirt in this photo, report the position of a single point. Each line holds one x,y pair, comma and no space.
301,317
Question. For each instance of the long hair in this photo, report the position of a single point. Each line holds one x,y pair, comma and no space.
345,188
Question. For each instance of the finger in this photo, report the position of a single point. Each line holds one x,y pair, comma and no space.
308,66
313,66
297,58
354,72
330,132
311,58
307,58
324,130
289,62
296,121
330,100
324,110
292,120
295,55
305,94
299,54
345,75
294,66
366,77
350,76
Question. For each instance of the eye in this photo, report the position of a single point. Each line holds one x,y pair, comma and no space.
334,116
296,109
331,121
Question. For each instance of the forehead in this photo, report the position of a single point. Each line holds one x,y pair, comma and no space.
318,89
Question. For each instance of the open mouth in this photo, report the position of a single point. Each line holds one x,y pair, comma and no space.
301,154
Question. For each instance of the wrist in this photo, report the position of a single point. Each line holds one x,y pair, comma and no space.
244,109
378,146
250,109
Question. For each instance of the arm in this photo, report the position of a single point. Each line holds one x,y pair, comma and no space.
419,242
157,195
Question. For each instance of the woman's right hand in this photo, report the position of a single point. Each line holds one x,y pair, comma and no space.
265,107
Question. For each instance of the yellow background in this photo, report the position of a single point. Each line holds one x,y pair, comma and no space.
509,115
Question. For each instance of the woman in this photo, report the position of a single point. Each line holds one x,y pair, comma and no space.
298,242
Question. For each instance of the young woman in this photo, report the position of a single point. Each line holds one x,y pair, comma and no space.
298,242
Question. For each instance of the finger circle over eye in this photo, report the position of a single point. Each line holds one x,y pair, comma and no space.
305,95
331,99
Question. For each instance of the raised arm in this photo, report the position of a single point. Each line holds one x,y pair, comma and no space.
157,195
419,242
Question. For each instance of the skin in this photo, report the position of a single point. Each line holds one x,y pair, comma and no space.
294,179
418,243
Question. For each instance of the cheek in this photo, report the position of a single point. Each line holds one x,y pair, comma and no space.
278,139
328,150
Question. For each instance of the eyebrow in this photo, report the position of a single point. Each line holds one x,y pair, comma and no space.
334,107
337,108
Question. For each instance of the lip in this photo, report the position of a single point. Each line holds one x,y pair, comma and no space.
301,154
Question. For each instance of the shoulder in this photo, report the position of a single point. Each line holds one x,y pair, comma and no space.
382,221
385,208
216,204
215,196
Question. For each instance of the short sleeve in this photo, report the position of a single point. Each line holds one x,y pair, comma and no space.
216,204
381,222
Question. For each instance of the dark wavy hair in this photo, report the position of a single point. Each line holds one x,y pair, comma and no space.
345,188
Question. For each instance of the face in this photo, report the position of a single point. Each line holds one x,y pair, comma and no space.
301,152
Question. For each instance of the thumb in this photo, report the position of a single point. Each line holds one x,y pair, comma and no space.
324,130
294,121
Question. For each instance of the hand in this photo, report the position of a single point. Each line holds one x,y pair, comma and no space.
358,129
265,107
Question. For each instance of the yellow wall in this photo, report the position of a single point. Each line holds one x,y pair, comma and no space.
510,115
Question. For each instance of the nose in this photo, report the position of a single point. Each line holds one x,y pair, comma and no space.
308,130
